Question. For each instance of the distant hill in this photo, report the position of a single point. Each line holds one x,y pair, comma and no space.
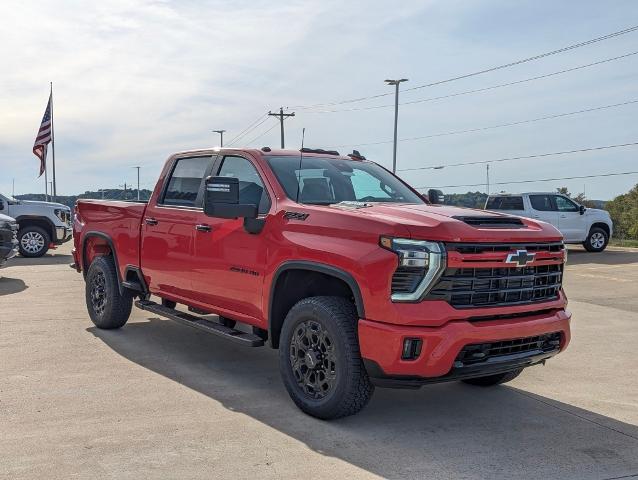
108,194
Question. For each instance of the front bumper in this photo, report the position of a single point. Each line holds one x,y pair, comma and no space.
8,243
63,234
382,345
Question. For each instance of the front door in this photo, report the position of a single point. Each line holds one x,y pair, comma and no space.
544,208
229,274
168,229
570,221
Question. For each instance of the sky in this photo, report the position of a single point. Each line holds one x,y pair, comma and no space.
135,81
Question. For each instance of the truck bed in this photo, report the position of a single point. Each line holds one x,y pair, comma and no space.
115,221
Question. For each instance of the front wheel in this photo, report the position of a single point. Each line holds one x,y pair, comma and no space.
596,240
497,379
33,241
319,358
107,307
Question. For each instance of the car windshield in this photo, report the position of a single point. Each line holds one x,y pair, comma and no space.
325,180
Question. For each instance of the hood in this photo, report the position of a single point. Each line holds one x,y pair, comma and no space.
597,211
44,204
6,218
457,224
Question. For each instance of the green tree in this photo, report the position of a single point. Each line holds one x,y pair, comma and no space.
624,212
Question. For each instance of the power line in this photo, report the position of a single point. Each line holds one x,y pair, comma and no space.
249,128
263,133
479,162
485,70
511,124
537,180
478,90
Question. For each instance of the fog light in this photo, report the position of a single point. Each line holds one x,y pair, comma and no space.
411,348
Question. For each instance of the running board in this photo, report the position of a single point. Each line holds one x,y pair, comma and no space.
237,336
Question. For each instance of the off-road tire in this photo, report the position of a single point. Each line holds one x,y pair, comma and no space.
497,379
40,235
593,241
107,308
352,388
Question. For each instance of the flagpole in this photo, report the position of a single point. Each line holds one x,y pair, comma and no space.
54,189
46,183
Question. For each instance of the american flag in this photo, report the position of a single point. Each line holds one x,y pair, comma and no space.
43,138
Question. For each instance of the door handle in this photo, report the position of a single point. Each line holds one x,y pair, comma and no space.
150,221
203,228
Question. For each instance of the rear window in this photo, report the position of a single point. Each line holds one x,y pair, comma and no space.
505,203
185,182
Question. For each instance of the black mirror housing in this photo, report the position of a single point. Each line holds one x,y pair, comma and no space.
436,196
582,209
221,199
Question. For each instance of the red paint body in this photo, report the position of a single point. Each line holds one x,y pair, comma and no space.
191,267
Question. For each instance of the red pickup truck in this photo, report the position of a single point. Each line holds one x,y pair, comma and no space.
355,277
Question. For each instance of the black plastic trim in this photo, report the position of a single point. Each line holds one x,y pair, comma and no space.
108,240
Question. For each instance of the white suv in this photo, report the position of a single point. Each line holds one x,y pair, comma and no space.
589,226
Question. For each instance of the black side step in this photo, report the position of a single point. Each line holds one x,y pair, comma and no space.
237,336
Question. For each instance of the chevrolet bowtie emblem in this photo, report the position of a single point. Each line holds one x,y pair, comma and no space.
520,258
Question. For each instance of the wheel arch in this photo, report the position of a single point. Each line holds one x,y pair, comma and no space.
295,280
100,244
38,221
602,225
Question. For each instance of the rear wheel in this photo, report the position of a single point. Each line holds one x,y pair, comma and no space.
107,308
33,241
494,379
596,240
319,358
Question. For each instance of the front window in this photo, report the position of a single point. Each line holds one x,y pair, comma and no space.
324,181
565,205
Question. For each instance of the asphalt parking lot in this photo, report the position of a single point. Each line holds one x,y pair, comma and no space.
160,400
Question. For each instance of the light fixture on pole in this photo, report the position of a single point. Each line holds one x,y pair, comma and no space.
221,135
396,117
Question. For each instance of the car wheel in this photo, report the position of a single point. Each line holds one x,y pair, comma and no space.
33,241
596,240
319,358
491,380
107,307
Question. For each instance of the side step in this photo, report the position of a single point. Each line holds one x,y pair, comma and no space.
237,336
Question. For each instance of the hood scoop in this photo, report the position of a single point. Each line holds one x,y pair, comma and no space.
491,222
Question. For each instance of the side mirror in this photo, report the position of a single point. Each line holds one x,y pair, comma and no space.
582,209
1,204
221,199
436,196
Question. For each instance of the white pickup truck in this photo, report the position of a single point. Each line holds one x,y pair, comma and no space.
590,227
43,225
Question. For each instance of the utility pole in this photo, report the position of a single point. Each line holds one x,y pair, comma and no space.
13,187
221,134
487,172
281,116
138,183
396,117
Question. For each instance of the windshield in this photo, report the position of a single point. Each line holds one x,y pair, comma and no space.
324,181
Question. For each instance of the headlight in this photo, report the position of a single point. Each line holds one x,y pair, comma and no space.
59,213
420,264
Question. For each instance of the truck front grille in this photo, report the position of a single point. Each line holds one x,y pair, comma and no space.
481,352
467,284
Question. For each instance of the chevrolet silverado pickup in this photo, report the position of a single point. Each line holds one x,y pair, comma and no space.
357,279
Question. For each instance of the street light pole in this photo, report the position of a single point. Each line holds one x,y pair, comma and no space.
138,183
221,134
396,118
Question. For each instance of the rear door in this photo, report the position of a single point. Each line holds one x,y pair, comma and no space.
230,262
543,208
168,228
510,204
570,221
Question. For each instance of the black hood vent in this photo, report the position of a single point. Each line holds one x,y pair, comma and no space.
492,222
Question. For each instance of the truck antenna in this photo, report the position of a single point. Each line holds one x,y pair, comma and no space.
303,136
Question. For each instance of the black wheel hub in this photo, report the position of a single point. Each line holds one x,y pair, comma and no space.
98,293
313,359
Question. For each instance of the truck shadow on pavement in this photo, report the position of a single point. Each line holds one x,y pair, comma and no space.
9,286
448,430
55,259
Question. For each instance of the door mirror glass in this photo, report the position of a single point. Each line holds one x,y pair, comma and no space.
221,199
